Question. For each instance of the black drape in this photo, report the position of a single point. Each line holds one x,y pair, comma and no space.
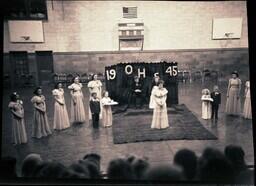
120,87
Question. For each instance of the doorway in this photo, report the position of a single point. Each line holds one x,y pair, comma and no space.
44,61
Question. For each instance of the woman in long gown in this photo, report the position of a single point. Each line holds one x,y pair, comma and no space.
19,134
95,85
40,126
233,105
206,104
160,117
247,112
77,105
153,86
61,120
106,110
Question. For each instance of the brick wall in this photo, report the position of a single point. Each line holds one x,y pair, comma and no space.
75,26
224,61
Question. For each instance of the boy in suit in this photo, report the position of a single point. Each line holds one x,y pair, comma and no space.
95,110
216,96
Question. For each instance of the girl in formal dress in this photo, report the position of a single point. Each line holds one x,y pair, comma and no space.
40,126
61,120
153,86
233,105
19,134
206,104
94,85
247,113
160,117
77,105
106,110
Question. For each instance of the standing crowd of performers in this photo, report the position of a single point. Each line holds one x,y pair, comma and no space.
211,101
100,107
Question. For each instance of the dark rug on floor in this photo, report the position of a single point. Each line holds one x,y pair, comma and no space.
134,126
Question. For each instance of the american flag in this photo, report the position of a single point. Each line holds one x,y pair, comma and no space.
130,12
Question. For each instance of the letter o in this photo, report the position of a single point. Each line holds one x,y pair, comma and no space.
128,69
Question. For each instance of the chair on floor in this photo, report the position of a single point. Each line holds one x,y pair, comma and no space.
180,76
62,78
214,76
206,75
197,76
69,78
101,77
84,78
186,76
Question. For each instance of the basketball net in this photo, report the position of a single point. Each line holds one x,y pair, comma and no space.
225,42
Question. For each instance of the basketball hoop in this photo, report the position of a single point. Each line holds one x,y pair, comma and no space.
227,40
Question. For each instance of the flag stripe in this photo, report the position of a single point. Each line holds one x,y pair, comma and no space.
130,12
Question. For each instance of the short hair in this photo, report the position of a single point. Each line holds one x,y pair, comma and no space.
120,169
139,166
93,75
13,96
80,169
104,92
93,168
93,157
236,155
30,164
56,86
52,170
160,82
187,159
205,90
236,73
217,169
36,90
164,172
73,80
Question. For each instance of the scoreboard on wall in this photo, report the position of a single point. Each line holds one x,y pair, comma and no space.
119,79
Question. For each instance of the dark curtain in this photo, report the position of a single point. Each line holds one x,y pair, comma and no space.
120,88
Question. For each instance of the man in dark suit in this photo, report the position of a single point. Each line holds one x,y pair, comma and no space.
216,96
95,110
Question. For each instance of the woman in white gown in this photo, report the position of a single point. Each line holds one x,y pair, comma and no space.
153,85
106,110
160,117
206,104
95,85
247,112
77,105
19,134
61,120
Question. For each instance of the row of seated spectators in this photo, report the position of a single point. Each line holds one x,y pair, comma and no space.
213,166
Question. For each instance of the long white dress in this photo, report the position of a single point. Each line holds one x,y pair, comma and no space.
95,86
233,105
61,120
247,112
206,107
151,102
40,126
77,105
19,134
160,116
106,112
